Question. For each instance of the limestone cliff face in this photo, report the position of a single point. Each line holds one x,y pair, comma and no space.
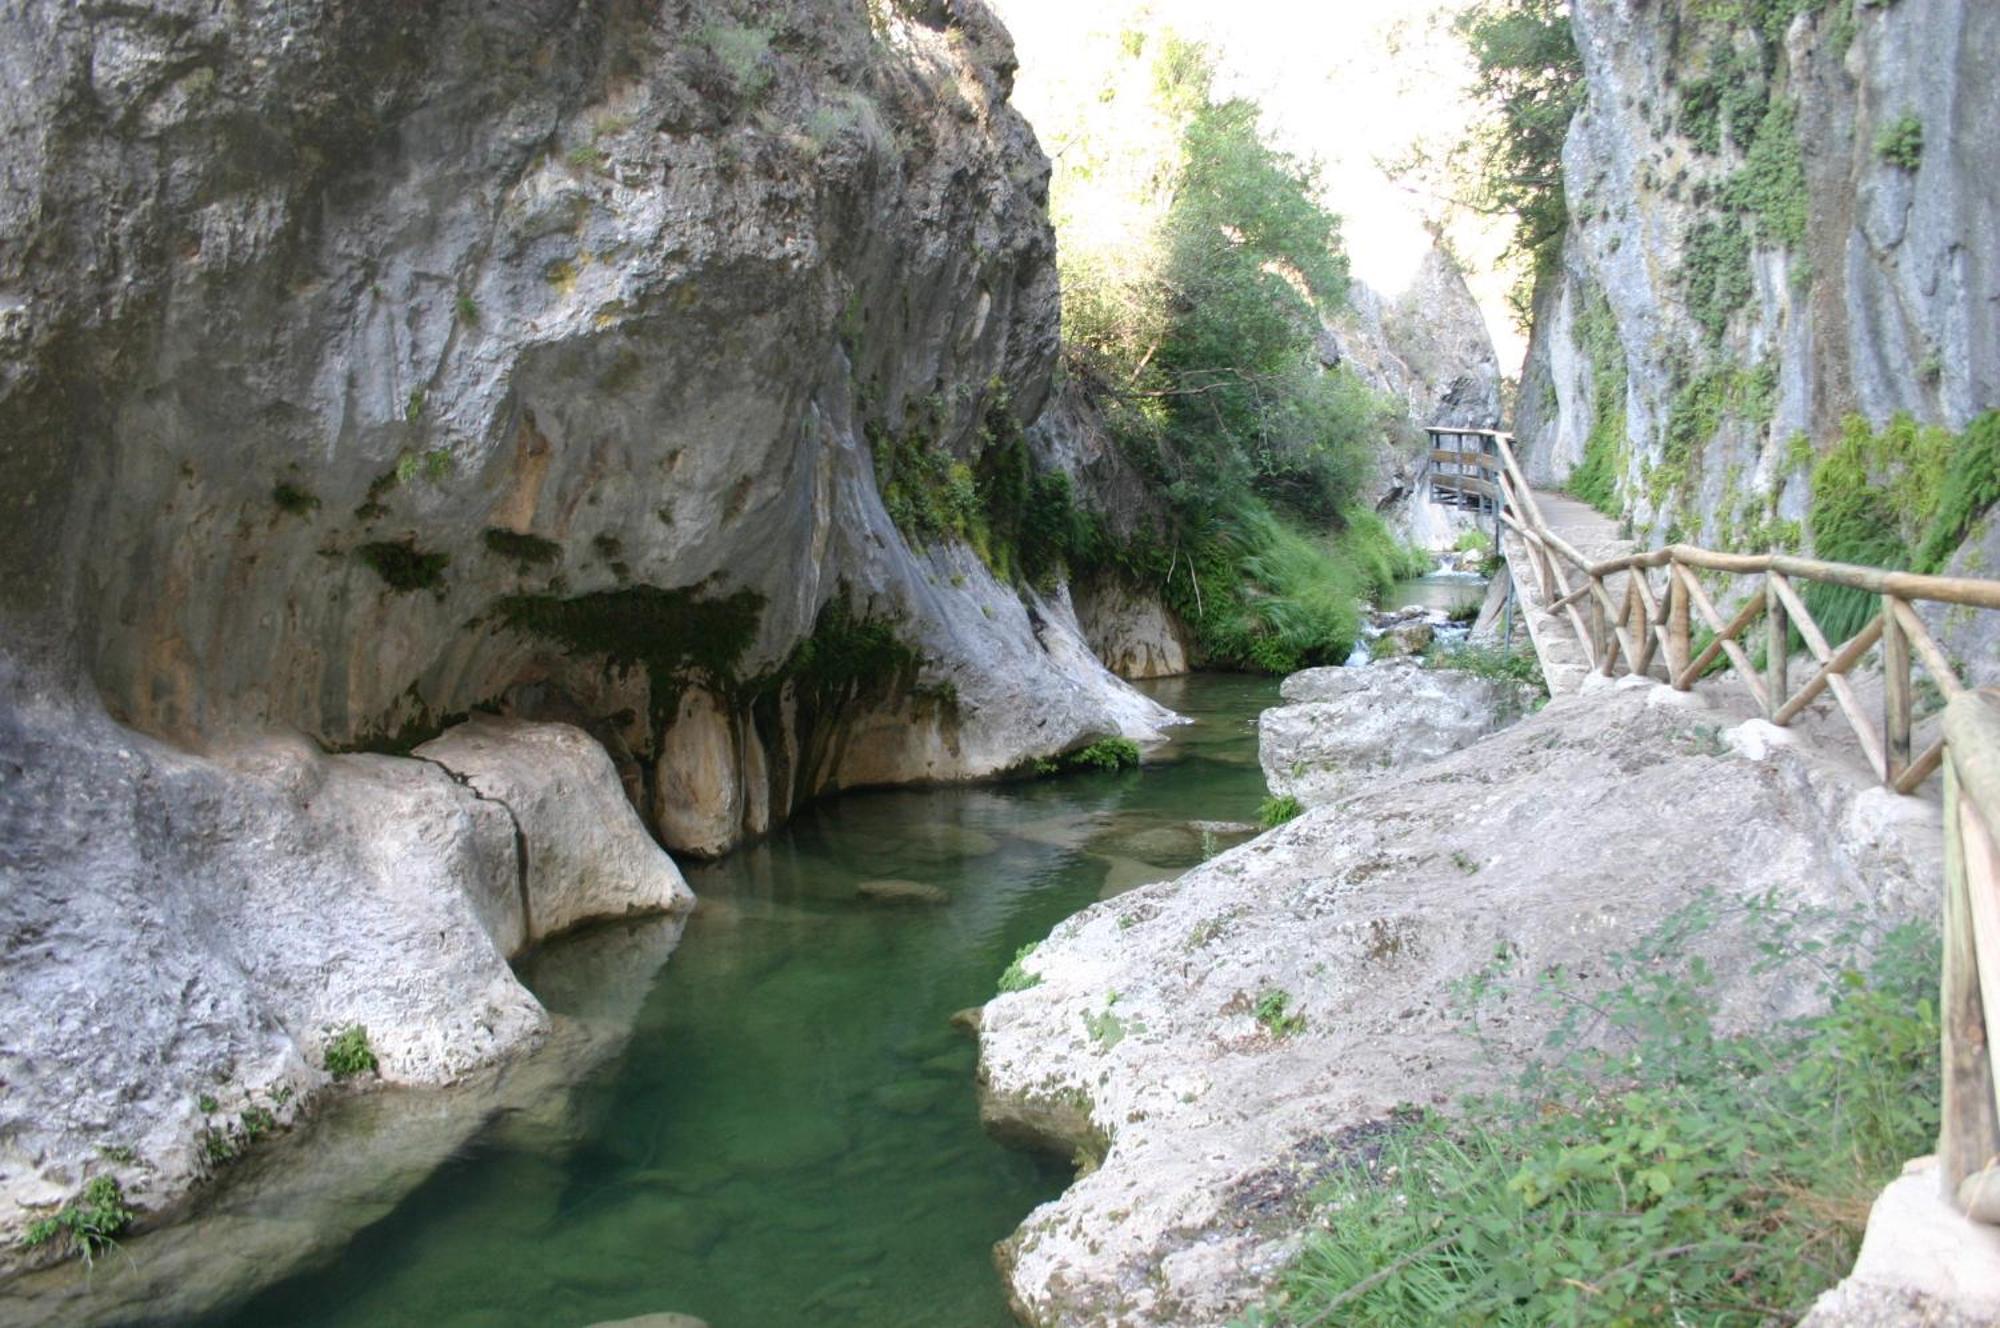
1770,231
1426,346
366,366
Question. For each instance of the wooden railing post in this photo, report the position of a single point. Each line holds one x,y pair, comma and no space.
1895,693
1599,651
1969,997
1777,647
1680,648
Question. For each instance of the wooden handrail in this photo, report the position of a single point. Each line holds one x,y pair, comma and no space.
1966,748
1969,1000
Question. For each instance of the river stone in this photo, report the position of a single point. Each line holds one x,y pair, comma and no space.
1345,725
1167,845
899,892
1590,822
910,1097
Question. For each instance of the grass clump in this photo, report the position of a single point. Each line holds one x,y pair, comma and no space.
1274,811
1498,663
1017,978
1272,1010
1903,497
1660,1171
403,565
87,1224
1901,142
1108,754
349,1054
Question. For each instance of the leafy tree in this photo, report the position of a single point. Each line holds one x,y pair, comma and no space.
1196,328
1528,74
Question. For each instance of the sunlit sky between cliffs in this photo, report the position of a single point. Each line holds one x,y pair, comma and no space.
1353,83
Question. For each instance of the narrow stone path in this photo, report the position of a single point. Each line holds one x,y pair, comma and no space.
1565,662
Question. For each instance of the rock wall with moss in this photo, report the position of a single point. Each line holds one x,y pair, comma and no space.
362,367
1776,320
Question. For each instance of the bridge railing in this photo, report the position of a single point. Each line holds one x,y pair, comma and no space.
1622,618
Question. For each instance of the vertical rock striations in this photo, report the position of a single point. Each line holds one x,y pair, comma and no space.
1784,235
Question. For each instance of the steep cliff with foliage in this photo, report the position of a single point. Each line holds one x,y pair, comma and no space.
658,371
1770,320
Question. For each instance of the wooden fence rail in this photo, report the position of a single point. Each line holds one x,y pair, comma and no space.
1622,618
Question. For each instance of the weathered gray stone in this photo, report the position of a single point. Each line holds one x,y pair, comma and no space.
1560,839
587,855
1885,306
1346,725
1921,1262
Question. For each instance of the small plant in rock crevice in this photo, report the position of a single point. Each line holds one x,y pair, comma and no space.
348,1054
88,1224
1276,810
1273,1011
1901,142
1015,977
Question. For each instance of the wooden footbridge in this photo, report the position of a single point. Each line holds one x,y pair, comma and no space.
1593,603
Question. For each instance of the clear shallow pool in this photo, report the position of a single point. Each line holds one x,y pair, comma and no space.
1447,591
790,1137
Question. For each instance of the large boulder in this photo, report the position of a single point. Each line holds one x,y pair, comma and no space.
188,933
585,854
1572,834
1345,726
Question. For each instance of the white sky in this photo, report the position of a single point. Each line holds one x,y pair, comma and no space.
1353,83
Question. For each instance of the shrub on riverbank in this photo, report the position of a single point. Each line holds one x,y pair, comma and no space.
1662,1170
1194,329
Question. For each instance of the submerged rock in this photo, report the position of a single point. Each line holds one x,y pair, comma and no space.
902,892
1568,836
1346,725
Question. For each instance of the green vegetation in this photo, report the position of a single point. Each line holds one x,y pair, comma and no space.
1599,478
291,498
403,565
1715,274
743,52
845,657
1275,811
523,548
1903,498
1528,74
1195,339
1499,663
1016,978
1106,1029
674,635
1901,142
1111,754
468,310
433,465
1657,1169
87,1224
1271,1011
349,1054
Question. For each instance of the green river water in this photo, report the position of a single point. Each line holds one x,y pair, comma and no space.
790,1136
